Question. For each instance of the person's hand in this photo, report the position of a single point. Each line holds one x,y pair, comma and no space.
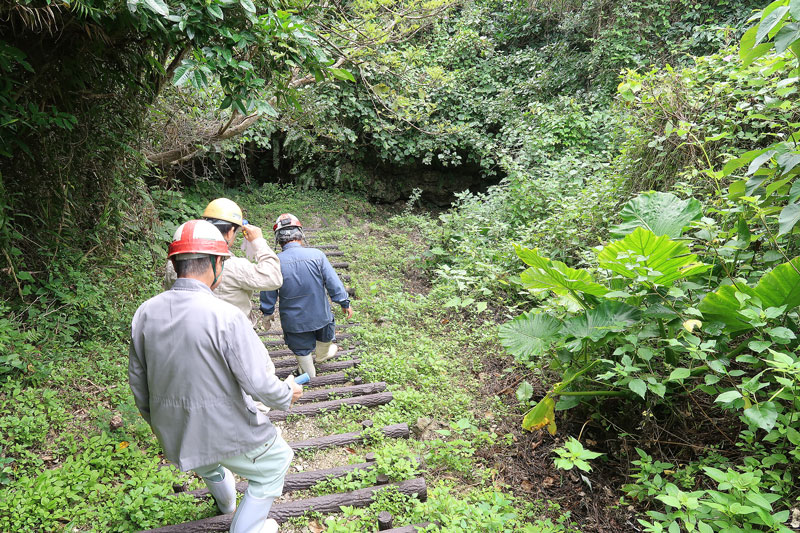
348,312
297,390
251,232
267,321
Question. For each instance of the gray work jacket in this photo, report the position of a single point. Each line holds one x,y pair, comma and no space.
194,364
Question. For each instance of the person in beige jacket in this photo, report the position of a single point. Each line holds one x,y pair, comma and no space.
242,277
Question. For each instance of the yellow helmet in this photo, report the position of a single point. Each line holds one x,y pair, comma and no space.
224,209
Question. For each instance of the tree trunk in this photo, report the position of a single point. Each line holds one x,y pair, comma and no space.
395,431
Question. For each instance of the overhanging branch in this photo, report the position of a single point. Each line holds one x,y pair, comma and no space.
234,126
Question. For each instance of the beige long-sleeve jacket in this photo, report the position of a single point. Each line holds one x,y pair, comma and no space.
241,277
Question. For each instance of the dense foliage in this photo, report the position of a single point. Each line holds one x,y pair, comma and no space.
692,306
655,215
77,81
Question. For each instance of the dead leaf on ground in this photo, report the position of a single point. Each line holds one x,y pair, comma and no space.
526,485
316,527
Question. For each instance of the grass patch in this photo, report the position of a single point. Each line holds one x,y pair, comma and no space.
64,468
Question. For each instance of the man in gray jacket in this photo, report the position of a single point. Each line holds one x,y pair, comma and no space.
195,365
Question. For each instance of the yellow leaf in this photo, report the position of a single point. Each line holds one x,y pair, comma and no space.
692,323
541,415
542,423
122,445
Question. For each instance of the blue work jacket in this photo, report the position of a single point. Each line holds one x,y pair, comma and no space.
307,274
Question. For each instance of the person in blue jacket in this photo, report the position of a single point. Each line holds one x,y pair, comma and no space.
306,316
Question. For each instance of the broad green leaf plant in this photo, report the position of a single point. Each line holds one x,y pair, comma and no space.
661,317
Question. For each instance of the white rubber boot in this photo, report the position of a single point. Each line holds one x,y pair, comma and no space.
306,363
324,351
251,516
224,492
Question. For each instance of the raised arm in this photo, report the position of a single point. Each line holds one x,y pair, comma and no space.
265,273
169,276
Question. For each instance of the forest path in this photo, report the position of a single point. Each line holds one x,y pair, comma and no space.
322,455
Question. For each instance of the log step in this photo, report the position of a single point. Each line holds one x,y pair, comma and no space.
285,352
279,332
341,265
298,480
333,503
282,512
283,373
281,342
328,379
275,332
334,254
395,431
351,390
291,362
274,342
312,409
408,529
273,354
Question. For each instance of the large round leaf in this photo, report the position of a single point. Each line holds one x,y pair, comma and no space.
608,317
662,213
529,334
644,256
778,287
555,276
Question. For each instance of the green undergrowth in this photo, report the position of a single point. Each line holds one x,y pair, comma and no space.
429,362
63,467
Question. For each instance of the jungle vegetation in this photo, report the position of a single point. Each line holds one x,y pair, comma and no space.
619,176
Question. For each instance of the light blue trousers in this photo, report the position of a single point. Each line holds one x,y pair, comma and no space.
264,468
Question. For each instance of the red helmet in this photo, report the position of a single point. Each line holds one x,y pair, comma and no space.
286,220
196,238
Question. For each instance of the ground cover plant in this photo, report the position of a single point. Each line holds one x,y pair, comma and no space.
631,221
66,468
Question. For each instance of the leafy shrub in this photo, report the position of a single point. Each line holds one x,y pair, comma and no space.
684,121
655,321
107,486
